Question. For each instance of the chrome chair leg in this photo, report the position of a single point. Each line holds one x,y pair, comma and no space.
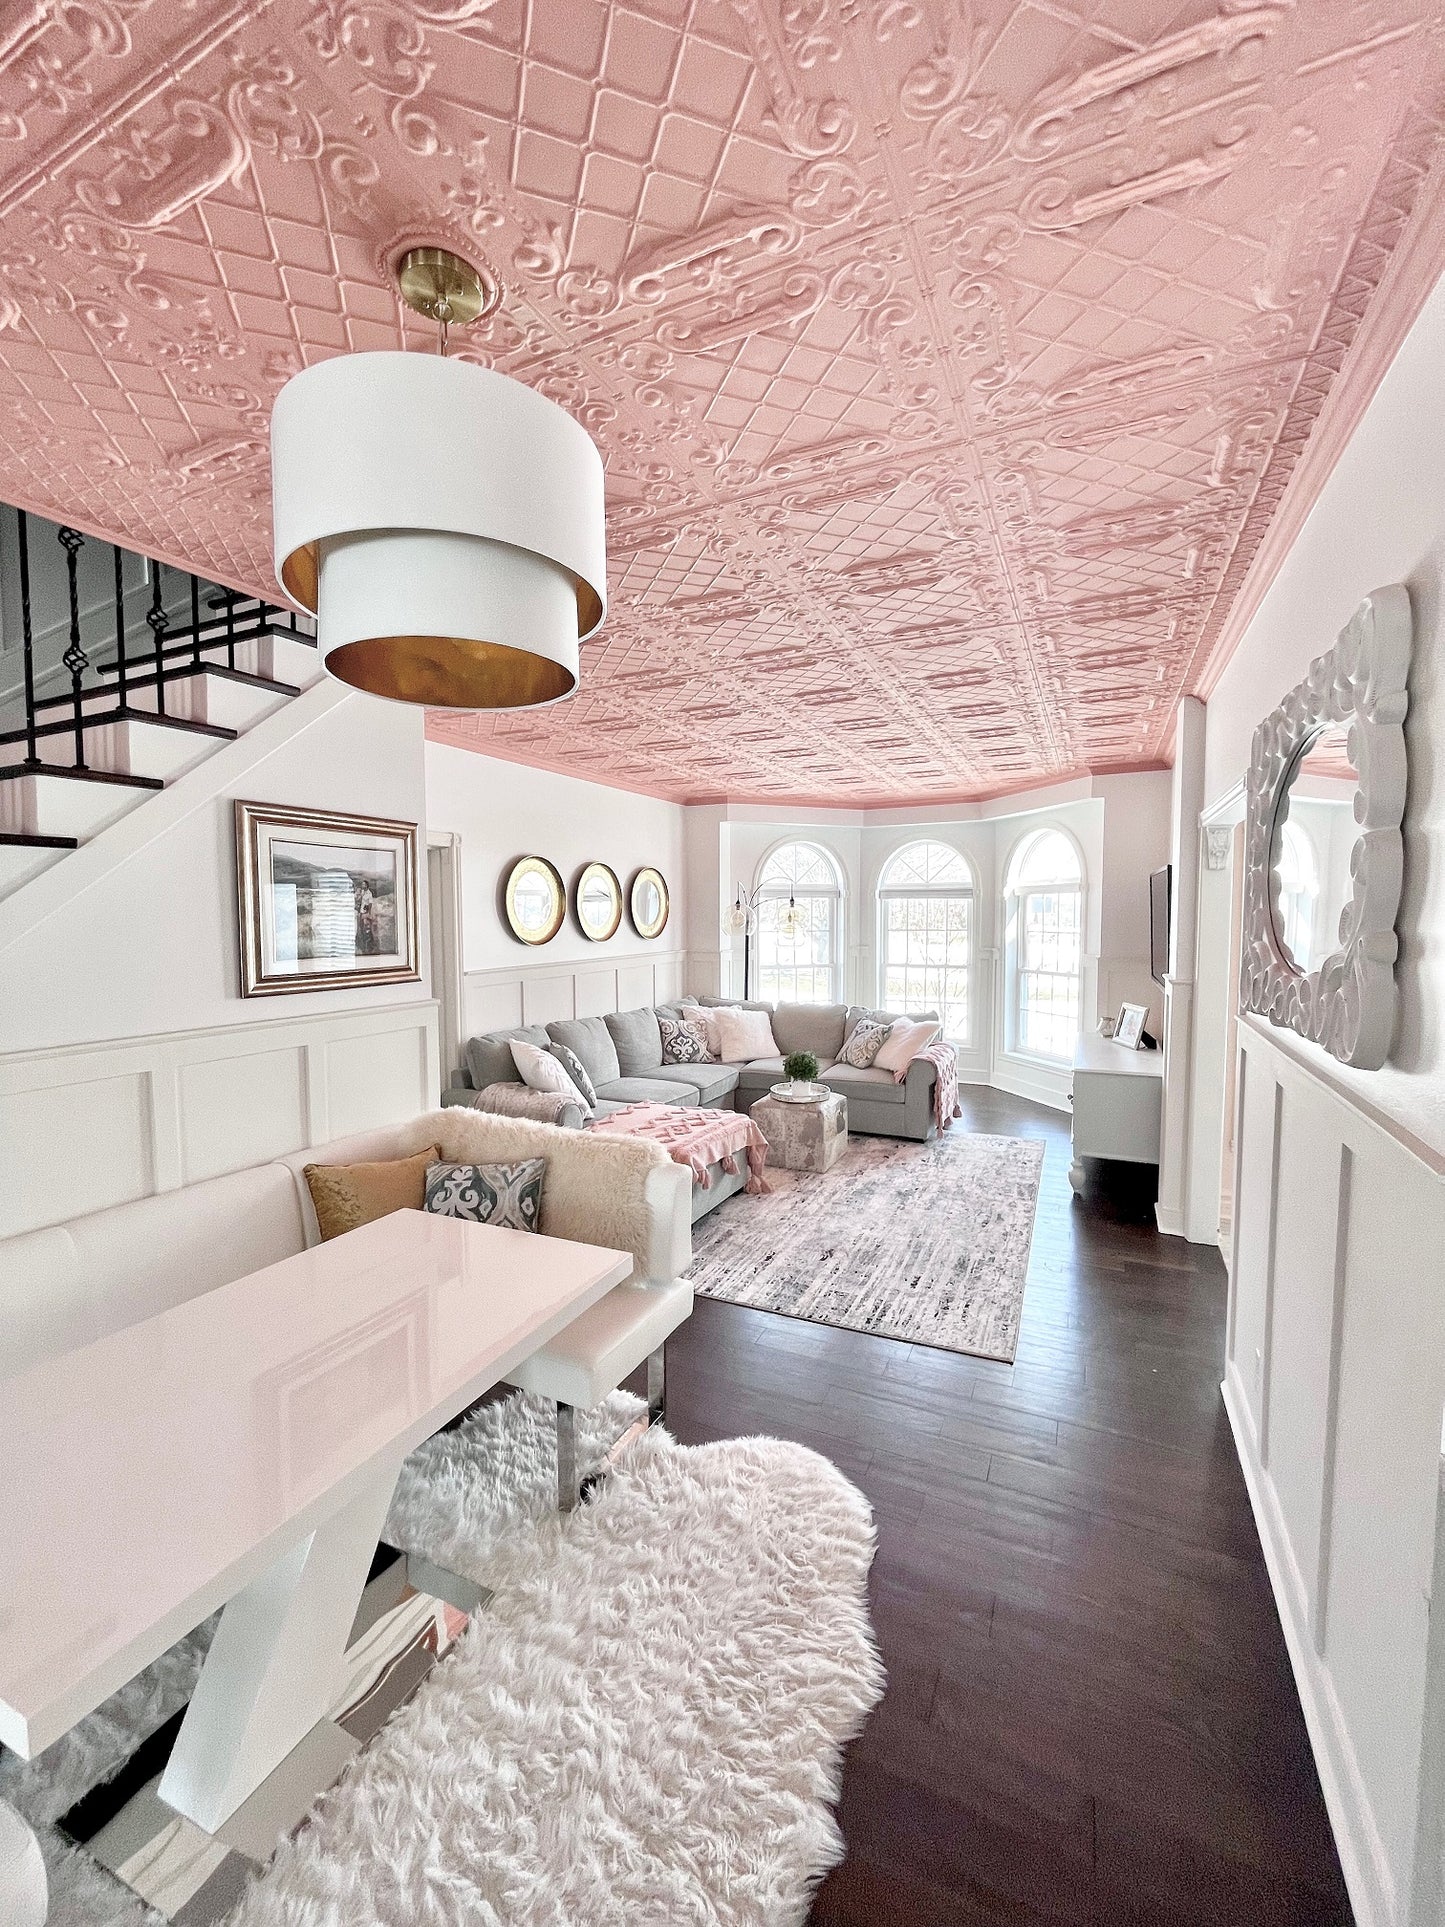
657,1384
567,1488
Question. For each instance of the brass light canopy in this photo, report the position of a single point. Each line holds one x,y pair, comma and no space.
443,522
445,288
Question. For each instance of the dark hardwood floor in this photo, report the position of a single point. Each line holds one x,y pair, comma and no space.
1090,1715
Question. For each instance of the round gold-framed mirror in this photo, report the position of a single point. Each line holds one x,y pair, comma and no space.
598,902
534,899
649,903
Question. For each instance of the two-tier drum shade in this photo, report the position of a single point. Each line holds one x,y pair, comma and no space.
444,524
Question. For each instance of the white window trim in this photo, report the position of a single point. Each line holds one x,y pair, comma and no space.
968,891
1012,894
837,895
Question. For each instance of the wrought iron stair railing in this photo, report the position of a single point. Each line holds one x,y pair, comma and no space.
119,674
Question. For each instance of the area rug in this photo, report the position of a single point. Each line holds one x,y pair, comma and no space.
925,1242
645,1723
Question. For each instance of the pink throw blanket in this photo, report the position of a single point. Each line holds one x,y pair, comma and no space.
944,1059
696,1138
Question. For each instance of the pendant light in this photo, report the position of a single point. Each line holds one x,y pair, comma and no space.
791,922
443,522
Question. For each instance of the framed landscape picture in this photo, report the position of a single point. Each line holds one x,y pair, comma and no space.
325,900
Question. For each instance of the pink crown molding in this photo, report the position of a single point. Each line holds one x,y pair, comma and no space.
958,373
1414,268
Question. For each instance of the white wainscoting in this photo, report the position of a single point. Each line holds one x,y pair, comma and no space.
1334,1384
101,1124
543,993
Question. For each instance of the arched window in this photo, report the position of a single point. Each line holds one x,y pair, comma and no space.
1299,889
1046,945
926,935
800,926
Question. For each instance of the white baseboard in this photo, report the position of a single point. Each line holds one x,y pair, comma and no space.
1357,1839
1170,1220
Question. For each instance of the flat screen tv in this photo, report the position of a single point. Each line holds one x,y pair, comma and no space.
1159,885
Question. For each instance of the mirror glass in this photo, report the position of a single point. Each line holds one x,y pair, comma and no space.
1315,833
599,902
649,903
534,900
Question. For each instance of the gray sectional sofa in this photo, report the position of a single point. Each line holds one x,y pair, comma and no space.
622,1054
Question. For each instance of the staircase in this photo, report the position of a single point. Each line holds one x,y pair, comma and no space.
120,694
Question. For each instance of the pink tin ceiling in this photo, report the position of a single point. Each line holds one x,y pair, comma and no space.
948,364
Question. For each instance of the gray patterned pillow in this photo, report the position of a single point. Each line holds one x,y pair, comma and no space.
509,1195
682,1042
576,1070
864,1044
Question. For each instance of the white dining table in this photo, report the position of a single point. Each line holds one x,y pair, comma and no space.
240,1451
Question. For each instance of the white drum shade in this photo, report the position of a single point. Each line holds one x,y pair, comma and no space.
443,523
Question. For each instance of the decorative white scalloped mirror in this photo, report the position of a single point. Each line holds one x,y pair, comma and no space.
1323,845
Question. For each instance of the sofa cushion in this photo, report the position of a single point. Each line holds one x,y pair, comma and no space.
765,1071
904,1041
864,1042
731,1003
648,1090
743,1036
683,1042
592,1042
348,1195
489,1057
712,1082
876,1087
858,1011
638,1040
506,1195
812,1027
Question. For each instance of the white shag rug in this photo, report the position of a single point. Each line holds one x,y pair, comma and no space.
644,1726
462,1492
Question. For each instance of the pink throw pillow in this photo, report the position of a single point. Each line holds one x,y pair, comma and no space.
905,1041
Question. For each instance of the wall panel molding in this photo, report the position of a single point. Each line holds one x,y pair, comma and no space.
1336,1280
544,993
148,1114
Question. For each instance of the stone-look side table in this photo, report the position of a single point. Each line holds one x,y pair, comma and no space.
803,1137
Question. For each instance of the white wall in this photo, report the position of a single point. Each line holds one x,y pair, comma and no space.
129,1061
501,811
1335,1376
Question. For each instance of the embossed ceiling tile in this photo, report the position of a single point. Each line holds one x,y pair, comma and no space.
838,287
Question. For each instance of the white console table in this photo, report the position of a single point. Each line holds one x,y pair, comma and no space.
1118,1098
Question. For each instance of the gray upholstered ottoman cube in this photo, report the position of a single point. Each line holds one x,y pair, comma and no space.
803,1137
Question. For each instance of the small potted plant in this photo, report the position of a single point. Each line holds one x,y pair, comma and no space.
801,1069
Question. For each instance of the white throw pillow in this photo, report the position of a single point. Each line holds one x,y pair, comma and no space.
905,1041
743,1035
539,1070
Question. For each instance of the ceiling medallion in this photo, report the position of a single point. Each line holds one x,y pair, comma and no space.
443,522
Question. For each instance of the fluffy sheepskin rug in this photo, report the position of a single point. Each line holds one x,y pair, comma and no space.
461,1492
644,1725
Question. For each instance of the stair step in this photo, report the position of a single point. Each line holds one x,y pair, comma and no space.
70,803
231,699
132,744
23,857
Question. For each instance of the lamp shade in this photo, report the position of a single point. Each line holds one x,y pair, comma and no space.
443,523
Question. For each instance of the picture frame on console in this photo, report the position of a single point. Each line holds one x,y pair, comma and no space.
325,900
1129,1026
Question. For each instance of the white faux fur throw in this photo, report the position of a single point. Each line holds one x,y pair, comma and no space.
595,1189
643,1727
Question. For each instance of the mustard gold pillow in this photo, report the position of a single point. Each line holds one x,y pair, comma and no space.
348,1195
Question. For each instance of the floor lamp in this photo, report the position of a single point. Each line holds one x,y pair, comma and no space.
741,920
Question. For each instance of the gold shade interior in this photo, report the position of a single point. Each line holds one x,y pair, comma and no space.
450,672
